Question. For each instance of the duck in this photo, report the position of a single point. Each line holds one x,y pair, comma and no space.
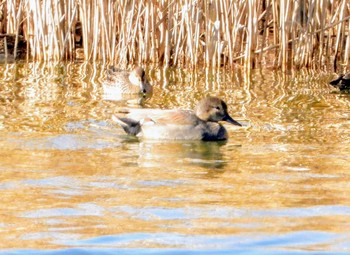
124,82
179,124
342,82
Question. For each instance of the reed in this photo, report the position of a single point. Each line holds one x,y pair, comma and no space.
191,34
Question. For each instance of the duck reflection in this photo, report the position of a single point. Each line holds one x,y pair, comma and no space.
112,94
178,154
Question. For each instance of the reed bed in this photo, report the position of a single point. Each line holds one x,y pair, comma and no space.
191,34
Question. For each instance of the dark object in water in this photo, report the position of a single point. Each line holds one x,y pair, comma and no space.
342,82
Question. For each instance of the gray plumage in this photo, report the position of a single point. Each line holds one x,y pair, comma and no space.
178,124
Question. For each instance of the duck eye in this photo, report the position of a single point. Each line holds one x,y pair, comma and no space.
144,91
217,108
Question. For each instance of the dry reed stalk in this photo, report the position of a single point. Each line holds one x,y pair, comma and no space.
322,20
12,13
340,30
168,36
347,49
283,34
251,33
17,27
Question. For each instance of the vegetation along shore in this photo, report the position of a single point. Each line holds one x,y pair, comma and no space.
211,33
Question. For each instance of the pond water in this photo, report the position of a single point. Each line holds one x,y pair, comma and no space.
72,182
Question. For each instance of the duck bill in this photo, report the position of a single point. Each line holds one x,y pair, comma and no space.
228,119
143,86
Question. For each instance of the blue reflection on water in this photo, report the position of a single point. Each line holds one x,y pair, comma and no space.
302,242
298,242
231,212
322,210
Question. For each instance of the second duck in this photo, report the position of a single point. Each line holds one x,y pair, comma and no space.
342,82
125,82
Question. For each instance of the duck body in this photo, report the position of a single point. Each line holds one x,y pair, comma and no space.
124,82
342,82
179,124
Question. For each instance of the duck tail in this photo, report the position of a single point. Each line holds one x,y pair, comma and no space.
130,126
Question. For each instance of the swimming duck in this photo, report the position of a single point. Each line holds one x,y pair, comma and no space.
124,82
342,82
178,124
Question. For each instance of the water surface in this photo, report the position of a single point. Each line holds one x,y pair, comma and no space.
73,183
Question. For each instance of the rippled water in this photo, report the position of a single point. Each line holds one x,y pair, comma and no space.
72,182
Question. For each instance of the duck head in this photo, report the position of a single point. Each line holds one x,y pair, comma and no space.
214,109
138,78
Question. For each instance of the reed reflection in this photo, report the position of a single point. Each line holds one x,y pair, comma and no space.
74,180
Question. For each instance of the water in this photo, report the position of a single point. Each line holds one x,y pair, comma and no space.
73,183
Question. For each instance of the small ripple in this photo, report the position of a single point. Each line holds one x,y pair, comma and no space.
61,142
86,209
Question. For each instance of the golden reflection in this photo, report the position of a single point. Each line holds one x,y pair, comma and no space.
89,194
68,175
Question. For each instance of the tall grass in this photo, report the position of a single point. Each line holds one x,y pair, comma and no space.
252,33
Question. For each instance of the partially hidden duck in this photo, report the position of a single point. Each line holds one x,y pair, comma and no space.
178,124
342,82
125,82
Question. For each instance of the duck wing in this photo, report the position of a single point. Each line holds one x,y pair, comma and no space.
116,75
163,117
